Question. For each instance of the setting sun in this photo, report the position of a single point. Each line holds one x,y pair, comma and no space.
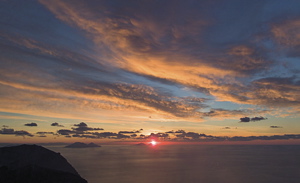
153,142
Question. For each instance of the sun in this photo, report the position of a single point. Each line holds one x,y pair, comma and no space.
153,142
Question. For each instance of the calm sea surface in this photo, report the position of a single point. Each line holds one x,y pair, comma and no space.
186,163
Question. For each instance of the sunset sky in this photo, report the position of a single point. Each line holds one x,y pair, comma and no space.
123,69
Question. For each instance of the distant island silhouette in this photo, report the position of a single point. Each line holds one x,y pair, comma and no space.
35,164
141,144
81,145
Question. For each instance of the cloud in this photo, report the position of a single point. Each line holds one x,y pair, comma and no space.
119,97
56,124
129,132
178,135
133,59
287,32
122,136
273,137
276,127
133,135
80,130
180,131
129,39
82,124
182,135
193,135
23,133
258,119
43,133
276,91
65,132
105,134
170,131
9,131
158,136
254,119
245,119
224,113
81,127
196,137
30,124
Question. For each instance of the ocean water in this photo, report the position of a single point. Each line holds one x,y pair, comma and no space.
186,163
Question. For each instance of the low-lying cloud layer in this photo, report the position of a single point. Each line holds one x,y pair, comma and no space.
82,130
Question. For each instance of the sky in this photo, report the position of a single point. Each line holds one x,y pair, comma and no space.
180,70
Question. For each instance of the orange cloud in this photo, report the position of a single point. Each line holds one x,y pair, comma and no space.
287,32
140,45
137,46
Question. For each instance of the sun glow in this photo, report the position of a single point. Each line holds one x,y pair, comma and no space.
153,142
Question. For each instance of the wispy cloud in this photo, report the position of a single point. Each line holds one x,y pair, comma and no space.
286,32
146,46
125,61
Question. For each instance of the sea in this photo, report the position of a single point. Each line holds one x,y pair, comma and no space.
186,163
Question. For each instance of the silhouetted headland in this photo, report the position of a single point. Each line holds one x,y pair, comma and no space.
82,145
35,164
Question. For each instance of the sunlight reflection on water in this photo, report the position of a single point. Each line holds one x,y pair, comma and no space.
186,163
